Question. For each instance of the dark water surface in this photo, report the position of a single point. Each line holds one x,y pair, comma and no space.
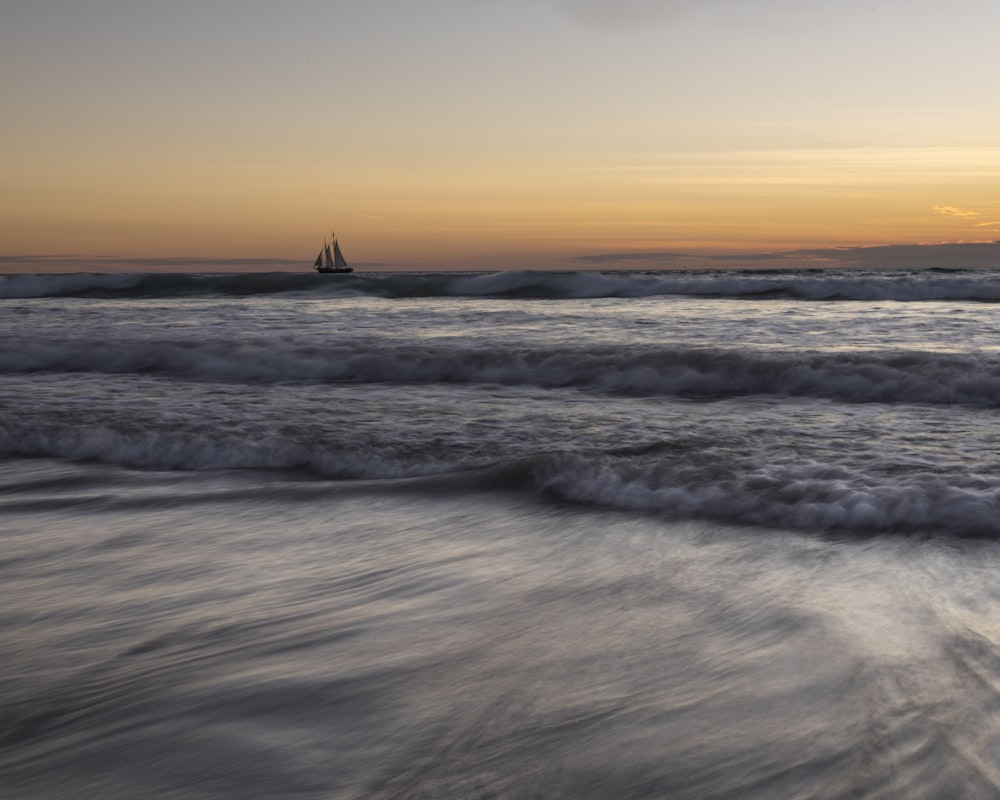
240,636
500,536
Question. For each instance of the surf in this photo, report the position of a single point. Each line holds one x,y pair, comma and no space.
808,285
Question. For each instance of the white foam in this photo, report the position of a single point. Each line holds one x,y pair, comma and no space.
911,377
860,504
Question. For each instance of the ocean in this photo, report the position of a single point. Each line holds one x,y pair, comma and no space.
500,535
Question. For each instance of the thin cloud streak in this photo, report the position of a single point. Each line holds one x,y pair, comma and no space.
951,211
957,255
621,15
618,14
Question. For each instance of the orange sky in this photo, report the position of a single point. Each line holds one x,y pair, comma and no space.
494,133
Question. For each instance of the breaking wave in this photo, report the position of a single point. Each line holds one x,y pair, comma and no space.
797,495
673,482
860,376
828,285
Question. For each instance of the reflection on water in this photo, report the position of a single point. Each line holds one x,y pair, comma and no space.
216,636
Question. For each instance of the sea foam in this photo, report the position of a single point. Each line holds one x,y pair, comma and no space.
827,285
670,371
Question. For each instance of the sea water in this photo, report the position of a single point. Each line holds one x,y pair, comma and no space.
512,535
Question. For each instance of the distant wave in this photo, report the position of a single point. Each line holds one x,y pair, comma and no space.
828,285
860,376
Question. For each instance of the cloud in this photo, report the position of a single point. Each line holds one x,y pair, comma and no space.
665,257
955,255
623,13
631,14
951,211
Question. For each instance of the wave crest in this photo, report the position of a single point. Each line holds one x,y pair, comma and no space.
906,377
870,285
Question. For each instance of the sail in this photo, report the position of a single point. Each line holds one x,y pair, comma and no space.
338,258
330,259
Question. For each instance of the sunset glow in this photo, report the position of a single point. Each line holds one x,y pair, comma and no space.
493,133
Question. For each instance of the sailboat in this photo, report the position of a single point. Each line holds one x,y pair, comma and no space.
331,262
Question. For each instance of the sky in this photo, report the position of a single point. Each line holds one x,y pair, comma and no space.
487,134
